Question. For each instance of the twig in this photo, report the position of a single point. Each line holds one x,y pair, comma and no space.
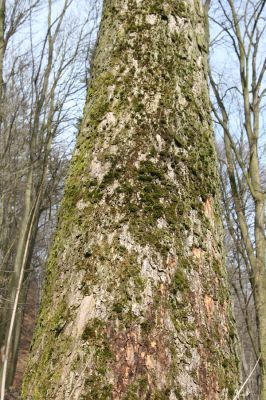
246,381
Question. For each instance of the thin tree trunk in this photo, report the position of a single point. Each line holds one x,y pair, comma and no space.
28,322
18,287
20,314
135,304
261,296
20,251
260,267
2,53
15,343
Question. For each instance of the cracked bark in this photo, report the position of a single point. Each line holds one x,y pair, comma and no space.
135,304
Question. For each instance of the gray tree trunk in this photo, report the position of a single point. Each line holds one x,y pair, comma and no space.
135,304
2,52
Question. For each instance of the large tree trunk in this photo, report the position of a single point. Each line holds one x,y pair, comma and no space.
135,304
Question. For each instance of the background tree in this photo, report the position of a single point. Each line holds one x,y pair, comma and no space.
238,84
135,303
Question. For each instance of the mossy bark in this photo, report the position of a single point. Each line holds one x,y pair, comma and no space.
135,304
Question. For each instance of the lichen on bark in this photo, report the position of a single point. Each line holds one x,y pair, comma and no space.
135,304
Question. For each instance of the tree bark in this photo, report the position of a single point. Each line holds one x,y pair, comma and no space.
135,304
